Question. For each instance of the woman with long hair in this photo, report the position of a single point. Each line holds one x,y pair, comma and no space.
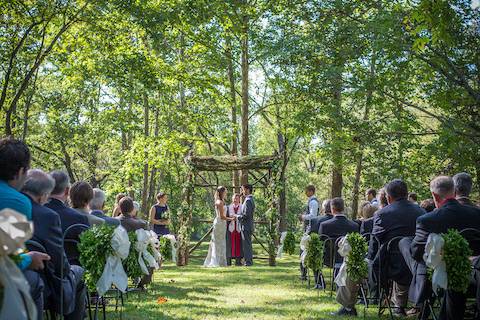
217,250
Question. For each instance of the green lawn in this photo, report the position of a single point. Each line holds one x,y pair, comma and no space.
258,292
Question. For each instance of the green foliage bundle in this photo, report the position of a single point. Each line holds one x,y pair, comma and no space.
165,248
289,243
131,266
357,268
456,253
95,246
314,258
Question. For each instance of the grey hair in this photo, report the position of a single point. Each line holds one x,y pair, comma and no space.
463,184
98,199
38,183
443,186
136,205
62,181
326,206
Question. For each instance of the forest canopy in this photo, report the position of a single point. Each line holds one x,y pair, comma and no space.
348,94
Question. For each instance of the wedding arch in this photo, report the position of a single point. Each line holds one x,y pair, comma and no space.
268,165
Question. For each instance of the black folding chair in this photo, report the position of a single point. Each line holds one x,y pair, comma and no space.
33,245
473,238
385,285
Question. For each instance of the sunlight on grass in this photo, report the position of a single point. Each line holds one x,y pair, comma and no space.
258,292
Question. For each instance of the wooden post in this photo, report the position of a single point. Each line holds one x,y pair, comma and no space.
185,219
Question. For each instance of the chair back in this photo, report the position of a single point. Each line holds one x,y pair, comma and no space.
71,241
330,253
473,238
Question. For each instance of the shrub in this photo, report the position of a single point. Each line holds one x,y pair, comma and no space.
289,243
314,258
456,253
357,268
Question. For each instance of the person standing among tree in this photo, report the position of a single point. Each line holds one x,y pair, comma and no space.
159,215
371,196
234,237
311,212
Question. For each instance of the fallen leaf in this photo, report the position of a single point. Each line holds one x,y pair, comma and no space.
161,300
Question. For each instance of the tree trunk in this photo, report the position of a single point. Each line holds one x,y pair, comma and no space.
233,98
153,172
245,102
145,164
337,143
359,165
282,198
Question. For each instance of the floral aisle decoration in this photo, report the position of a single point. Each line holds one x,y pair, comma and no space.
353,248
289,243
314,255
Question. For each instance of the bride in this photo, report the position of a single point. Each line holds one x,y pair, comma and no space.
217,250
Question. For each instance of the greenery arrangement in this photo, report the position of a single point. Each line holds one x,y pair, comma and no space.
131,266
289,243
456,253
165,248
315,247
357,268
95,247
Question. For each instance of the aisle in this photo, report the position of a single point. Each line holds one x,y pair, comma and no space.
258,292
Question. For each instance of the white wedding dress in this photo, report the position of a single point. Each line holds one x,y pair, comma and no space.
217,250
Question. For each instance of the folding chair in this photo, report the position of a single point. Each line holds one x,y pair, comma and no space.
385,285
473,238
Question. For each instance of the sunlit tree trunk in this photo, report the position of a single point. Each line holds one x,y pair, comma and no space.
146,134
245,102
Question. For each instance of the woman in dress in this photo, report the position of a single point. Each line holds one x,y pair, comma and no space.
217,250
158,215
234,237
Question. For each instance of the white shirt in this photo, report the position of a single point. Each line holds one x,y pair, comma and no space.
312,209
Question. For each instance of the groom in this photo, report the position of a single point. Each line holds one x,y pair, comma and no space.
246,219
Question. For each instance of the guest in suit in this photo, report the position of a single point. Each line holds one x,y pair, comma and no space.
336,227
96,206
81,193
412,197
327,214
127,221
116,209
48,233
58,200
463,186
246,219
312,210
450,214
396,219
367,211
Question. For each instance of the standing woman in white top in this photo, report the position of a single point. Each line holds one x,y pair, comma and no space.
234,236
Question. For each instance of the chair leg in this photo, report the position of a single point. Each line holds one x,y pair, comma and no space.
104,309
364,297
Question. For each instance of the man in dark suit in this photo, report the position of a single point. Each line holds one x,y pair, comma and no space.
59,197
396,219
48,233
463,186
96,206
327,210
246,219
336,227
450,214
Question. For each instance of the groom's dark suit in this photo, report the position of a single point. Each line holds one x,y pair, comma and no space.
246,218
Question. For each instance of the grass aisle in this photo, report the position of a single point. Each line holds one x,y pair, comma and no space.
258,292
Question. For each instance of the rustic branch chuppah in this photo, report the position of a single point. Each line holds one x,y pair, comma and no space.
197,164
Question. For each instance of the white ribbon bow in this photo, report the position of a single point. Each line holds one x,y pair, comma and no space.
283,235
17,303
433,257
113,272
173,245
303,246
155,245
344,249
143,240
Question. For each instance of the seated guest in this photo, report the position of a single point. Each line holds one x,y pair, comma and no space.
327,214
371,196
48,233
463,187
129,222
136,209
366,217
450,214
14,164
336,227
81,193
396,219
96,206
58,200
116,209
428,205
382,199
412,197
